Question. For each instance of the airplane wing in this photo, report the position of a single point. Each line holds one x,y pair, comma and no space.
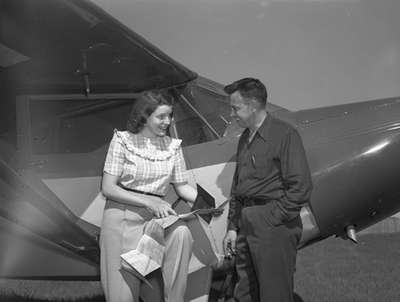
64,47
61,46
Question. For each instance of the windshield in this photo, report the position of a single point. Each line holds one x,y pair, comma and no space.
202,114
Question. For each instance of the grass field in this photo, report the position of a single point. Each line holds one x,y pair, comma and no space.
333,270
336,270
25,290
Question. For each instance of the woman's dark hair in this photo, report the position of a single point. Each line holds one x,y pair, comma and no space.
144,106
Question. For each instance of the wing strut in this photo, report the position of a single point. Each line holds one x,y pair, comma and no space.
185,100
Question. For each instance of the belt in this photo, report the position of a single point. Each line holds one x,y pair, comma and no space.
141,192
252,201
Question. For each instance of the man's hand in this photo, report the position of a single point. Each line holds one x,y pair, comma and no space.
217,212
230,243
159,207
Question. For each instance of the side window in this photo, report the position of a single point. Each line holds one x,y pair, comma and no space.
213,107
75,126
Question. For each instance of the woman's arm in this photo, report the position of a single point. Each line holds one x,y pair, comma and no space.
186,192
154,204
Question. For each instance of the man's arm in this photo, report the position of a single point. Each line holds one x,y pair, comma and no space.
229,242
234,206
296,178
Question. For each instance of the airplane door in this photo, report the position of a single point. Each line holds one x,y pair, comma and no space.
64,138
54,183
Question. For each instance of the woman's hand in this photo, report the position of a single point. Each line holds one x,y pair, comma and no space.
159,207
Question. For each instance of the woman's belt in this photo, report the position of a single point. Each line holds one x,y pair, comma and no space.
141,192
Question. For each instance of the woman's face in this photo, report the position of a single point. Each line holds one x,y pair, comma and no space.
158,122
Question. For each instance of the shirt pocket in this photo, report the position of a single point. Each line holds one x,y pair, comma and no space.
262,162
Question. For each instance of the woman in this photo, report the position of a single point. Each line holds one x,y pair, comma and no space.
140,164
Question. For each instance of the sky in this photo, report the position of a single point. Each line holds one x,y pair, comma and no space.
309,53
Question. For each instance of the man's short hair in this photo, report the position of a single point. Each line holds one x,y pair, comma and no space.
249,88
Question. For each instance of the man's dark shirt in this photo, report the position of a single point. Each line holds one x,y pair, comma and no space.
272,167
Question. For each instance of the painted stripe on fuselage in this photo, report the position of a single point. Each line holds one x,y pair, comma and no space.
211,153
83,197
216,179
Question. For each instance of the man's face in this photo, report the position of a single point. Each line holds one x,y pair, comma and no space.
242,111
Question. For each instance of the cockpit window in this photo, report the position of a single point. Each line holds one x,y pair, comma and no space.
207,120
59,126
75,126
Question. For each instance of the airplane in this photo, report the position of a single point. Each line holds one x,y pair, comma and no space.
69,74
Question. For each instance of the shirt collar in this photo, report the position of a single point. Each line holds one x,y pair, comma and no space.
264,127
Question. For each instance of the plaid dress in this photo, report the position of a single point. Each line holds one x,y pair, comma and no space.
148,165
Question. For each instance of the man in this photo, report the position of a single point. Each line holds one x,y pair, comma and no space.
271,183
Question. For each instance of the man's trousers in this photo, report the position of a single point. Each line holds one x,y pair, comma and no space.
266,257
